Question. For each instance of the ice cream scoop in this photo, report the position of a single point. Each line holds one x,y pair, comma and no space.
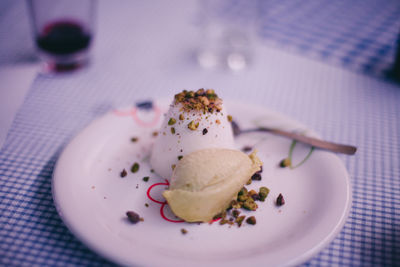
205,182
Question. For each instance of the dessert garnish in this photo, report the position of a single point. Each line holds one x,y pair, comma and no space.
133,217
280,200
247,149
251,220
286,162
135,167
123,173
201,100
171,121
193,125
146,178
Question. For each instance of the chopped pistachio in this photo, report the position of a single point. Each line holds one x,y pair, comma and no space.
123,173
200,92
247,148
239,220
249,181
172,130
146,178
223,221
243,191
217,121
190,94
251,220
280,200
256,177
243,198
133,217
263,193
193,125
229,118
235,204
254,195
135,167
210,91
199,100
235,213
285,163
134,139
184,231
205,131
249,204
171,121
180,157
181,117
173,166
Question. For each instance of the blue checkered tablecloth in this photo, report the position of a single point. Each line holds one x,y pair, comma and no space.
322,65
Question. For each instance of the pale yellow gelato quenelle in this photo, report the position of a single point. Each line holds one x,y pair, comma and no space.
204,182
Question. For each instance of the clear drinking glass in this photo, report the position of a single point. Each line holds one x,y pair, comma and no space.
228,32
63,32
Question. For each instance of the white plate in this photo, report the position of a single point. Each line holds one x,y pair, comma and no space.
92,198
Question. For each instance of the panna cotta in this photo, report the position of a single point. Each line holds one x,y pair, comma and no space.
195,121
205,182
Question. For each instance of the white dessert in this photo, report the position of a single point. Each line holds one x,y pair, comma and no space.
205,182
194,121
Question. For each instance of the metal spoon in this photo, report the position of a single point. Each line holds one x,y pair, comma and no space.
315,142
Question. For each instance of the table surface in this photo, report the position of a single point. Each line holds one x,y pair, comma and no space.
324,65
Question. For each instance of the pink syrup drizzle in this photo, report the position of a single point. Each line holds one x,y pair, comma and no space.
163,203
133,113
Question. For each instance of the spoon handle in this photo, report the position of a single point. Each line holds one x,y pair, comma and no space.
315,142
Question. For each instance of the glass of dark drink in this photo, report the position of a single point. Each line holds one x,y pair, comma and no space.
63,32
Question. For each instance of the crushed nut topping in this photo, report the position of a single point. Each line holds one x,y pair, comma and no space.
133,217
229,118
247,148
280,200
202,100
251,220
263,193
285,163
171,121
135,167
193,125
123,173
256,177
